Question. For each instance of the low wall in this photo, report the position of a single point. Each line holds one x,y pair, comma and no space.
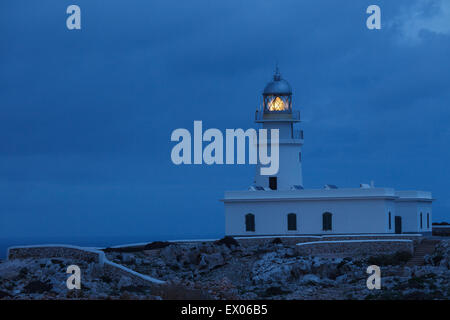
441,231
416,238
56,251
354,247
84,254
289,240
293,240
285,239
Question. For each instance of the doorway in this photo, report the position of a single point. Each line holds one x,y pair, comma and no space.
398,224
273,183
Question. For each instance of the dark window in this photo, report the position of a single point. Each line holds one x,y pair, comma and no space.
428,220
421,224
273,183
249,222
300,157
292,221
327,221
390,221
398,224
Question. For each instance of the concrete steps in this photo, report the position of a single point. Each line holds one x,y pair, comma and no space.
427,246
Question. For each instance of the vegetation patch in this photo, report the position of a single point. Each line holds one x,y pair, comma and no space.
398,258
37,286
274,291
228,241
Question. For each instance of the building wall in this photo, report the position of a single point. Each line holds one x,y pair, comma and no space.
425,208
349,216
410,213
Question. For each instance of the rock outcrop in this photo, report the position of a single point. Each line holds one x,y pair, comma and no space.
224,270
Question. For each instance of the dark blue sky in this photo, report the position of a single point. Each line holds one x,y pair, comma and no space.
86,116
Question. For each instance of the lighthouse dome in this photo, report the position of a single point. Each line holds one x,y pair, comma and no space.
278,86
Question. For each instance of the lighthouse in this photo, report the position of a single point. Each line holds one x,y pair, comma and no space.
277,112
278,204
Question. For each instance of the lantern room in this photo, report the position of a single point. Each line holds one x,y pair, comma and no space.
277,96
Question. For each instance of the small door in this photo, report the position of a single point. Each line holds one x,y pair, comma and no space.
273,183
398,224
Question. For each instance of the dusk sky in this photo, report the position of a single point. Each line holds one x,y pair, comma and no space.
86,115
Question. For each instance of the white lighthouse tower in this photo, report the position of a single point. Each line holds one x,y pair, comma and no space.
278,205
277,113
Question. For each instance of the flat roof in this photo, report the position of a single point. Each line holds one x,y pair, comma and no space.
326,194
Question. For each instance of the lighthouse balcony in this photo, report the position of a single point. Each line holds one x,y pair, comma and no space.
297,134
275,116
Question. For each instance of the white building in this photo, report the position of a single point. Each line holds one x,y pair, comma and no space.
279,205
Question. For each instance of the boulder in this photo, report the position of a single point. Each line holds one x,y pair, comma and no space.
270,268
211,261
170,254
127,257
310,278
124,282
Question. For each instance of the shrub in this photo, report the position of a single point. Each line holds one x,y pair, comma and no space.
228,241
148,246
398,258
441,223
173,291
156,245
274,291
437,259
37,287
277,241
4,294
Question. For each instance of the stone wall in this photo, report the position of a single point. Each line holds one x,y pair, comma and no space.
415,238
57,251
354,247
293,240
251,241
84,254
441,231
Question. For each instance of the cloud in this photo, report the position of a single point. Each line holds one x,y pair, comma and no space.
86,118
425,16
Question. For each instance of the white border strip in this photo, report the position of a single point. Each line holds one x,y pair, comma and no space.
353,241
376,235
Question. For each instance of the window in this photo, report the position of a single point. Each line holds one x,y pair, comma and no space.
327,221
390,221
299,157
273,183
421,224
249,222
428,220
292,221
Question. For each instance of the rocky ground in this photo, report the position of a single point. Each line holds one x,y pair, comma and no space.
46,279
225,271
